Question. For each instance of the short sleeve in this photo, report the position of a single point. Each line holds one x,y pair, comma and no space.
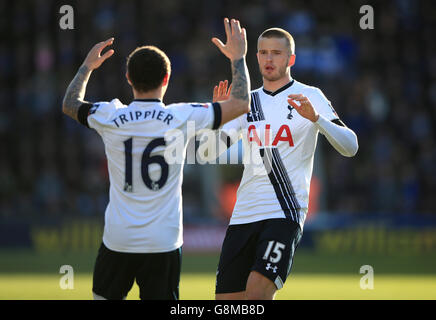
203,116
232,129
99,114
322,105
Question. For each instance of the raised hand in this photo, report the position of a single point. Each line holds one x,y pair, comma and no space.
238,96
94,59
236,45
75,95
221,92
305,108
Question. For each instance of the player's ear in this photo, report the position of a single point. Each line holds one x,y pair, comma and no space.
166,79
291,60
128,79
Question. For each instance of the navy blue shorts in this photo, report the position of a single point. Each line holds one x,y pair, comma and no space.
157,274
266,246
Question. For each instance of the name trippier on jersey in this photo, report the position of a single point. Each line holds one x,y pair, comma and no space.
140,115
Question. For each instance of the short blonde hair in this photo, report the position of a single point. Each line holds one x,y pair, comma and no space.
282,34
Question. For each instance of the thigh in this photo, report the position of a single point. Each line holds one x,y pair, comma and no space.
113,275
237,257
276,247
158,275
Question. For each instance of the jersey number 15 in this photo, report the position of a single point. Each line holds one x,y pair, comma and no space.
146,161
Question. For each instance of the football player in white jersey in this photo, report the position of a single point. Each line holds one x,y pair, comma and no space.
143,220
282,129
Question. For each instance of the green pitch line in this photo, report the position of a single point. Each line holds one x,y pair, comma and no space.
201,287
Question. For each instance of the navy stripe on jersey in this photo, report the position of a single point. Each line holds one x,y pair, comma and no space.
287,180
256,113
281,183
259,105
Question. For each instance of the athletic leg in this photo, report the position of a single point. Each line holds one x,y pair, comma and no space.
113,274
274,254
236,260
158,276
259,287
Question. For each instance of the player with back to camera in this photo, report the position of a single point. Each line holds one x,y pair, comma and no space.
267,220
142,236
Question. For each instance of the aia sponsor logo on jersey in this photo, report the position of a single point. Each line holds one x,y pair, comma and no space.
283,134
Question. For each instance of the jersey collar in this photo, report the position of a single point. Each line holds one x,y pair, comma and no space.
147,100
286,86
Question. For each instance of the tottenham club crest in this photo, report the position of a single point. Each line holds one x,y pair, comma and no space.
290,116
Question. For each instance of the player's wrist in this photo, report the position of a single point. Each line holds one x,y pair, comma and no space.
237,58
86,67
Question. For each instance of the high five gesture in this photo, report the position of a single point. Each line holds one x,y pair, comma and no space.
75,95
235,49
236,45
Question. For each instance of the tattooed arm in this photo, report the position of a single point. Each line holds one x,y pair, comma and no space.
235,49
76,92
75,95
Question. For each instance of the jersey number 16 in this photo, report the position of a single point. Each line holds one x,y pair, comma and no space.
146,161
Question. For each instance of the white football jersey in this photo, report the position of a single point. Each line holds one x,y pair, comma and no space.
144,214
276,185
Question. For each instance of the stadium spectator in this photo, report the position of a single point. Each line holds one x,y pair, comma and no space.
382,82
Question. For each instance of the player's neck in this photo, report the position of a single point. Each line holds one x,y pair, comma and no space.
276,84
154,94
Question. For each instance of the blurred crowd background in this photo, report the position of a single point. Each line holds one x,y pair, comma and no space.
382,83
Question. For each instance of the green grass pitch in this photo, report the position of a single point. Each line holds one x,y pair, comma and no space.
30,276
201,287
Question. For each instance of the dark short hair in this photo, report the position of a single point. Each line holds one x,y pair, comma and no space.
280,33
147,67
